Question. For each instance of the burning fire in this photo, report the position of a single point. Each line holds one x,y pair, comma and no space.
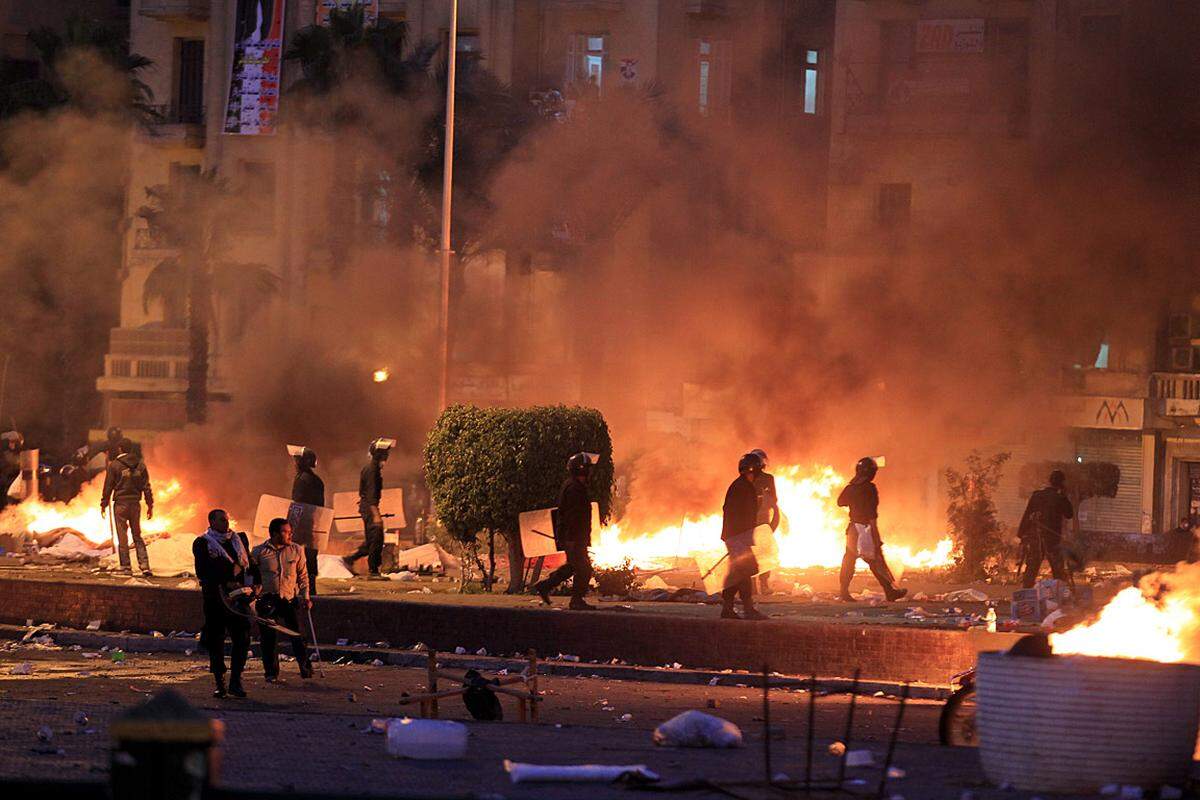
172,513
1157,620
812,534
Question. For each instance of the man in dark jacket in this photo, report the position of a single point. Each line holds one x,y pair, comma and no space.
370,492
739,519
222,566
1040,530
125,483
310,489
768,508
863,541
573,535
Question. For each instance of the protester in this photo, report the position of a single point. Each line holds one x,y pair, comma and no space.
861,497
11,445
768,508
573,535
310,489
278,569
126,482
222,566
740,518
370,493
1040,530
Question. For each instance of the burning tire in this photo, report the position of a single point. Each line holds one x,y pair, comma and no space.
1072,724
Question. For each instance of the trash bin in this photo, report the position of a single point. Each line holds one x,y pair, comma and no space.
164,749
1073,724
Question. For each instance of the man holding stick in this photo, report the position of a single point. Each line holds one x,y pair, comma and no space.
280,577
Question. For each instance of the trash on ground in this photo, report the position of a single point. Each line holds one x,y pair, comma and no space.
860,758
44,734
583,773
697,729
967,595
896,773
24,668
94,625
426,739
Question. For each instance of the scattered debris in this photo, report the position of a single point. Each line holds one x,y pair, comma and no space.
377,663
24,668
896,773
81,719
860,758
713,703
966,596
697,729
625,718
586,773
714,681
94,625
460,651
117,655
481,651
45,734
352,697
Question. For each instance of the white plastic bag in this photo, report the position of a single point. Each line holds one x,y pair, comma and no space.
581,773
426,739
697,729
866,542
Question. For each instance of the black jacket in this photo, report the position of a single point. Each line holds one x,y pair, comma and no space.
740,509
126,481
1048,508
768,500
863,501
370,484
308,488
214,573
573,522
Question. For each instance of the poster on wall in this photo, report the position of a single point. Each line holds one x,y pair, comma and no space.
257,67
370,9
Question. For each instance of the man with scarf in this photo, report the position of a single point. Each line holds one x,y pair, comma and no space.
861,497
280,576
222,566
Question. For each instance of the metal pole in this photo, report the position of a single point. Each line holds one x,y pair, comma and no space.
447,183
316,647
766,703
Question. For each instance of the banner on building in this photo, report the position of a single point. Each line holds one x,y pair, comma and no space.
950,36
257,68
370,9
1112,413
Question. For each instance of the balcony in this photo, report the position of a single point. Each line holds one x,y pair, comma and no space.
707,8
1176,394
175,125
174,9
588,5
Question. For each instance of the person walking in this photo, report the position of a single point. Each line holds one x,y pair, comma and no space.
222,565
370,493
768,508
308,488
861,497
126,482
279,572
739,519
573,535
1040,530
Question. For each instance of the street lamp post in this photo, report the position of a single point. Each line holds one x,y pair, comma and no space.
447,181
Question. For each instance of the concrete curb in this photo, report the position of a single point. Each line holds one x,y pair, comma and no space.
141,643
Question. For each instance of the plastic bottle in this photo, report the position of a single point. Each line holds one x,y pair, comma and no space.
990,618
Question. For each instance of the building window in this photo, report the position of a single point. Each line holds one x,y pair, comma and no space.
812,81
258,195
585,62
713,74
895,204
189,84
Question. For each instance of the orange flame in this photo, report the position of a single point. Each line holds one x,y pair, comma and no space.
172,512
1157,620
812,534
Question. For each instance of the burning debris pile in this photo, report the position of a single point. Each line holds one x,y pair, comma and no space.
812,534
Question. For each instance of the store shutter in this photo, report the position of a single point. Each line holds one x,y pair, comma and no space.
1123,513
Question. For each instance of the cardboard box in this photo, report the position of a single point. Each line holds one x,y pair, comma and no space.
1027,605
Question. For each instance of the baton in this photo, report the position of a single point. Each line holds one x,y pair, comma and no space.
316,647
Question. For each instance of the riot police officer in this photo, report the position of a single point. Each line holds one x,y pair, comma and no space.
310,489
861,497
573,535
370,493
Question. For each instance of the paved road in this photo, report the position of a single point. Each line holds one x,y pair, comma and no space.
321,726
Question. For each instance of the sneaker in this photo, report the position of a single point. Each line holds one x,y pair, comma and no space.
846,597
896,594
754,614
728,613
543,592
220,690
276,679
581,605
147,573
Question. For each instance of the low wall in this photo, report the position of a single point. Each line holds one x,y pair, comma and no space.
883,652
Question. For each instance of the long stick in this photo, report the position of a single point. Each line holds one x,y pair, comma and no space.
316,647
812,717
849,728
767,724
891,751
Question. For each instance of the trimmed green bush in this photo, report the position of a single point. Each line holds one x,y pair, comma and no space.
484,466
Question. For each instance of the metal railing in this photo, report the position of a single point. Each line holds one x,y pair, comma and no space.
1175,386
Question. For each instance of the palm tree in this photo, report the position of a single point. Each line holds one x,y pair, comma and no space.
66,76
193,216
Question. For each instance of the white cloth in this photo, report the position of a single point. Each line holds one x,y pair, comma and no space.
216,547
860,540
